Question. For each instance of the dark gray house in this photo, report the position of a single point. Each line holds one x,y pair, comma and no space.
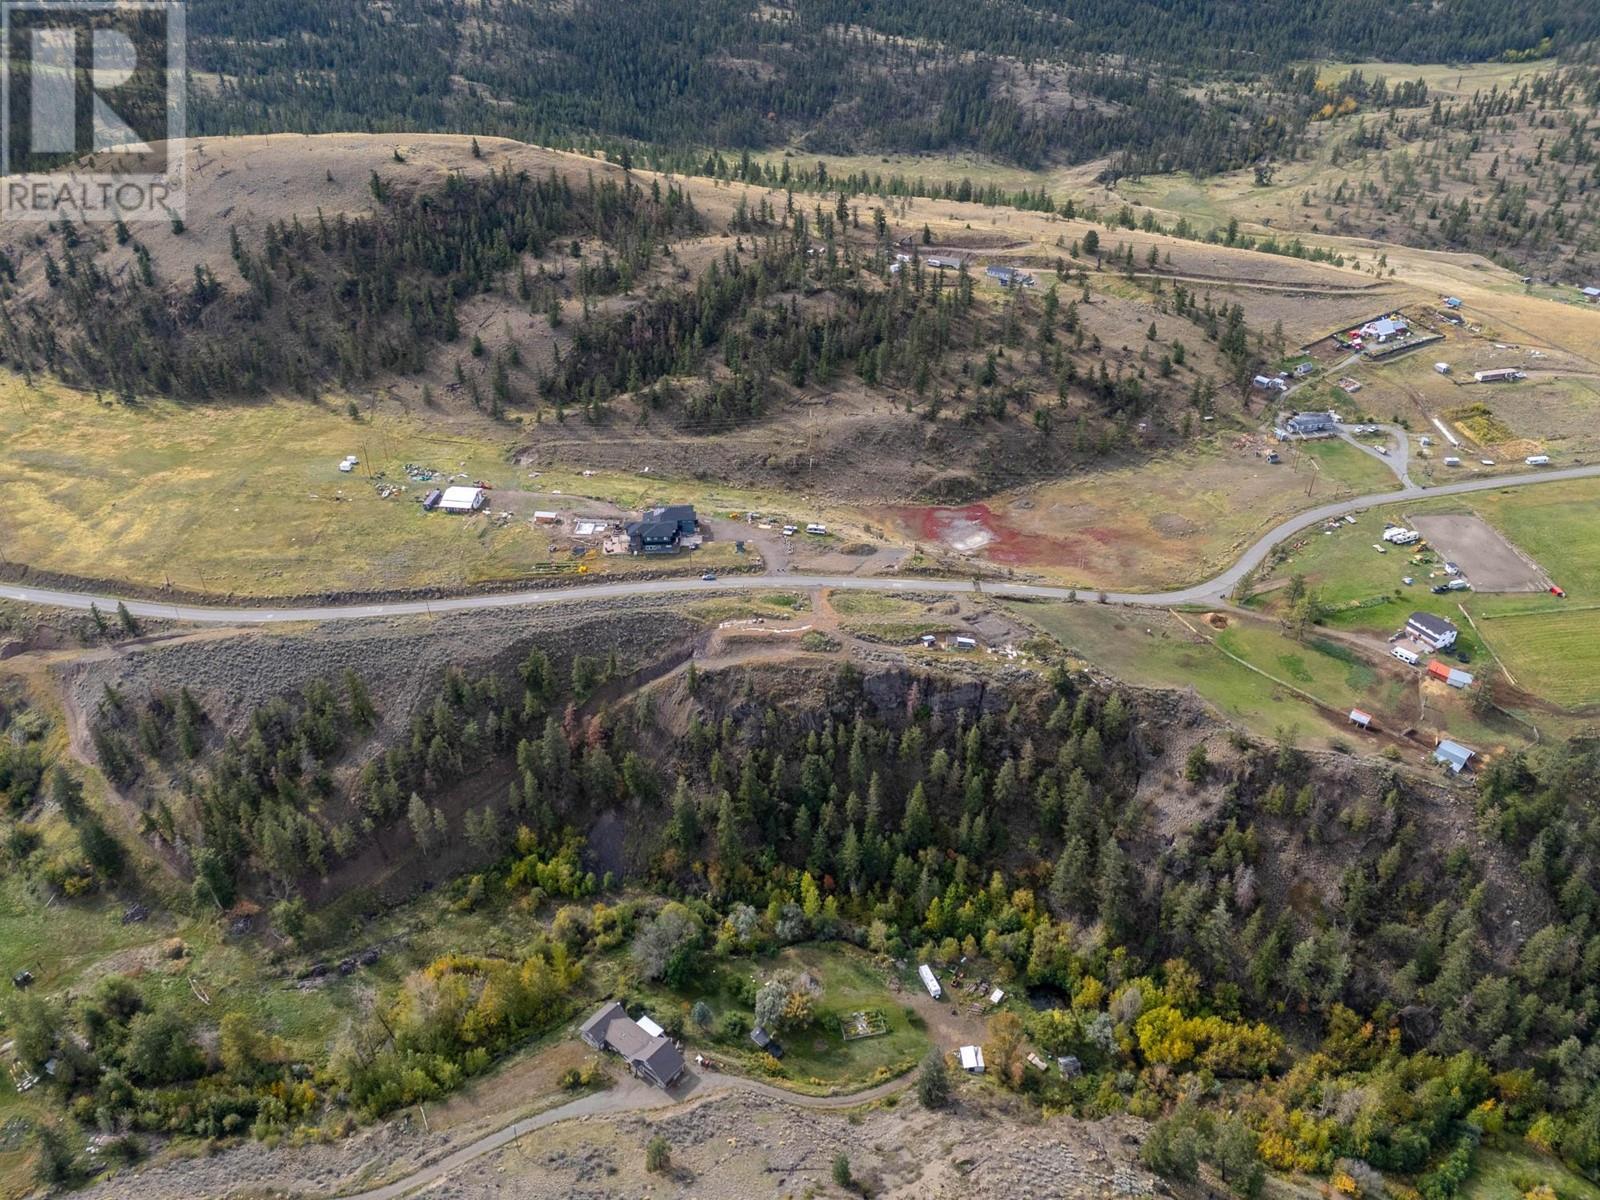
766,1041
653,537
659,530
654,1059
681,515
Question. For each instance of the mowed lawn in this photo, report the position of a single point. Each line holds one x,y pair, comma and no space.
1334,673
1546,642
1550,654
816,1058
1555,524
1153,649
1361,588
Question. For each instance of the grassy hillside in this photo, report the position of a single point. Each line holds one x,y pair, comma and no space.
250,501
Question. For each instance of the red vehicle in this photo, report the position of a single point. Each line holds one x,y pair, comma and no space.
1555,591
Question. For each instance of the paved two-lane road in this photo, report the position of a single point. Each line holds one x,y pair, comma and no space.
1201,593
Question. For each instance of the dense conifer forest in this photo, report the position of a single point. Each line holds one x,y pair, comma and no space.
339,299
1064,80
1392,1028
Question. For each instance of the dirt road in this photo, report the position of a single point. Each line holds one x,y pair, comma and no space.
631,1095
1208,592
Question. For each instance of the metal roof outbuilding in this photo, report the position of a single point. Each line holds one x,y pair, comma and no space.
1453,755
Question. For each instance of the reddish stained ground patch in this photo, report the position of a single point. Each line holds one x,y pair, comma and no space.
951,527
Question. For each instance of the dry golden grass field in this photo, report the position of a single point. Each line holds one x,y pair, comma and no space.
246,500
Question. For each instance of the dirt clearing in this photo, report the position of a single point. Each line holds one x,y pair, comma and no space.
1172,519
1484,556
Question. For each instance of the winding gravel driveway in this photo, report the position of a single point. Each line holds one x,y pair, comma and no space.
630,1095
1208,592
1398,461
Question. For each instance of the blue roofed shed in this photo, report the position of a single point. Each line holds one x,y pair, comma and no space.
1453,755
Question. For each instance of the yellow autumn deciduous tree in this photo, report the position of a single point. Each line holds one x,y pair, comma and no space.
1002,1052
1224,1047
245,1048
1182,983
1295,1140
1090,995
1545,1132
810,897
797,1009
1057,1031
489,1001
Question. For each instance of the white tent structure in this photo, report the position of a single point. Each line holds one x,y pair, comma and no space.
462,500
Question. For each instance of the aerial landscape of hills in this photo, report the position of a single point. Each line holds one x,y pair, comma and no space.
818,599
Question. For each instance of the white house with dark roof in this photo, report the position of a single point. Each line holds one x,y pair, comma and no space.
1437,633
1009,276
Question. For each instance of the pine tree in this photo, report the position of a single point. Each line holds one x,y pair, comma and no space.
421,822
1112,888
